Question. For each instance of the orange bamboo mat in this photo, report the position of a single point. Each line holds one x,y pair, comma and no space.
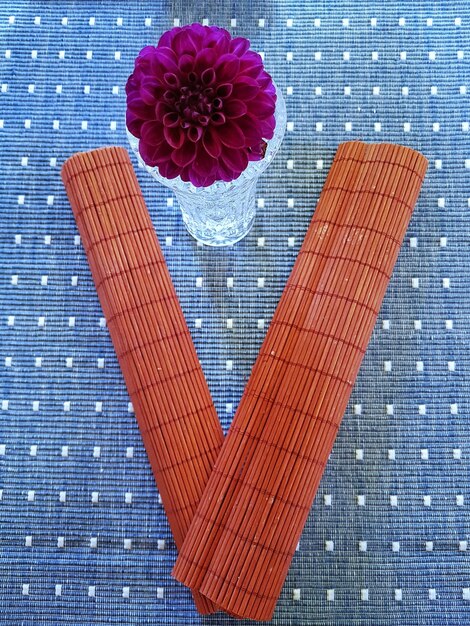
172,403
246,528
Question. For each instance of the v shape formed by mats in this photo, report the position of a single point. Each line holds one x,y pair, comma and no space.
301,382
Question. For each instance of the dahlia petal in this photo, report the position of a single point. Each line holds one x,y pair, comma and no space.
184,43
196,178
224,90
184,155
245,88
239,46
163,151
168,55
196,34
208,76
184,174
254,156
154,155
204,58
168,36
266,83
204,164
217,104
145,52
218,118
257,152
171,119
262,106
209,180
162,109
252,71
251,64
222,32
225,173
217,37
267,127
186,63
271,92
235,160
251,129
198,31
138,74
171,79
147,152
174,136
152,133
132,84
133,123
168,169
227,67
194,133
231,135
253,57
212,143
136,105
234,108
169,96
145,58
150,91
208,92
163,61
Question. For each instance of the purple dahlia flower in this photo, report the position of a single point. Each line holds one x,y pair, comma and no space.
201,104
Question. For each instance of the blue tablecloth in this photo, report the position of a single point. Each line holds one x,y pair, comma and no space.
83,537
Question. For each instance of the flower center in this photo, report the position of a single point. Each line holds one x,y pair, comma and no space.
198,102
195,103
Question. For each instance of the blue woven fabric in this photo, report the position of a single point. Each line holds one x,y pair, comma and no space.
83,537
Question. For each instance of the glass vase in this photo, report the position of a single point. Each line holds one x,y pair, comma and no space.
222,213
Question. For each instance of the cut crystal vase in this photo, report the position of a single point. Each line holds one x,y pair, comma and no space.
222,213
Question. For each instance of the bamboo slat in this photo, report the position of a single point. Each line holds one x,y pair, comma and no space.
172,403
249,521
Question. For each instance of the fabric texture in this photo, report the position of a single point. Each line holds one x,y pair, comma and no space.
83,535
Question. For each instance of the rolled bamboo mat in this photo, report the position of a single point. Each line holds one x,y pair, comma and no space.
172,403
246,528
